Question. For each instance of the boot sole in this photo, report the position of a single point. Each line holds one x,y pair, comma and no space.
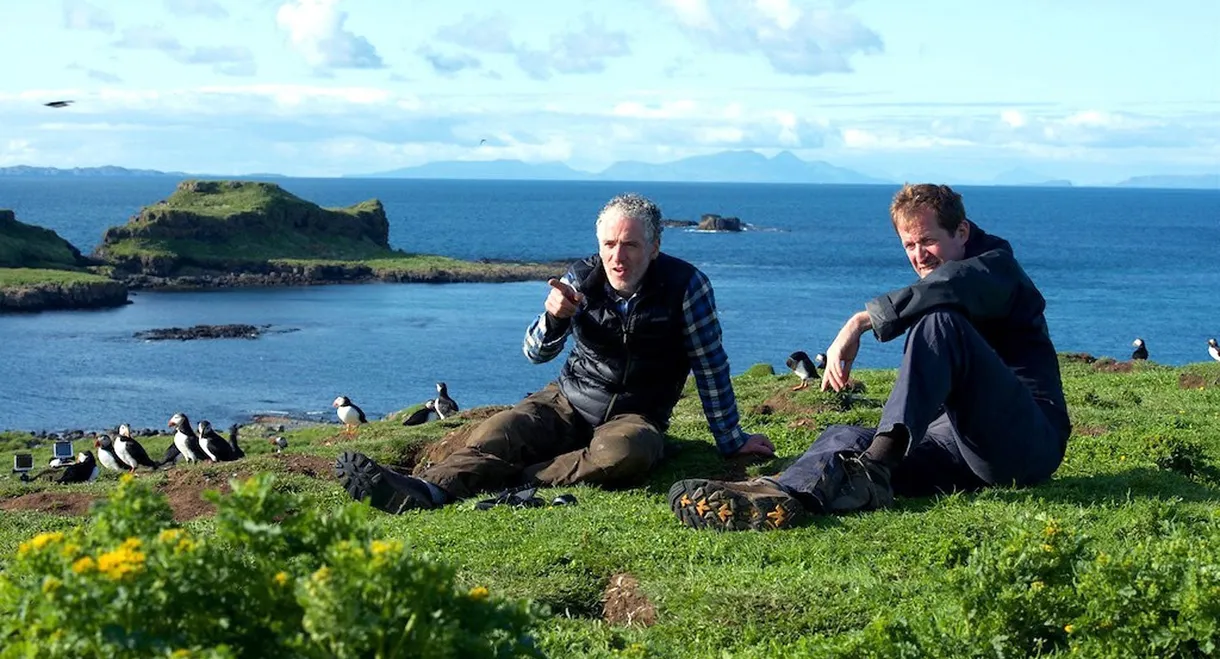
704,504
361,477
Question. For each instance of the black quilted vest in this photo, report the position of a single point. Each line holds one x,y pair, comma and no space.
632,365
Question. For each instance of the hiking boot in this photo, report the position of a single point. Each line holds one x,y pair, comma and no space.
852,482
759,504
386,490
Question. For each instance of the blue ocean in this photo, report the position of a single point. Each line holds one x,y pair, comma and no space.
1113,264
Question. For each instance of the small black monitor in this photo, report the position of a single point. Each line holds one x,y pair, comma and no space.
63,450
23,462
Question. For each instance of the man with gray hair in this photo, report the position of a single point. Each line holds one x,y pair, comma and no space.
643,321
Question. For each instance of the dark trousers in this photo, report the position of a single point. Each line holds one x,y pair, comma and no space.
544,439
971,421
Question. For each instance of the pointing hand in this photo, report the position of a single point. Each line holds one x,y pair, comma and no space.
563,300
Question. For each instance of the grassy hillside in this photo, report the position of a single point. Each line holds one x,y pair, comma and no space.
27,246
226,221
1120,552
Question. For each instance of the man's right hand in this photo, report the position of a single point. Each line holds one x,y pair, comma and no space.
563,300
842,353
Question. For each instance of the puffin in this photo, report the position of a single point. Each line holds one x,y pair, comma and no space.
278,442
185,438
804,368
216,447
1141,350
349,413
444,405
82,471
130,451
107,456
422,415
1213,349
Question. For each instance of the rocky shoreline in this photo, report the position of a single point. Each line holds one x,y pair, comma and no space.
53,296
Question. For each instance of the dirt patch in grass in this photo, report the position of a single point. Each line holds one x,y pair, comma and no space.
418,457
783,403
56,503
184,490
1090,431
624,602
313,466
1082,357
1196,381
1108,365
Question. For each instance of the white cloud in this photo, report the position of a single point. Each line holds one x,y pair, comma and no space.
664,110
80,15
316,30
1013,118
487,34
794,40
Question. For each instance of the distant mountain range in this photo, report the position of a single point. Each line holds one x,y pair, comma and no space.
723,167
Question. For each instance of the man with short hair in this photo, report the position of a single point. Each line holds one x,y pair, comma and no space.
643,320
978,399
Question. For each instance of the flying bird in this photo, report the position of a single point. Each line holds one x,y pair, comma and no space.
1141,350
482,142
58,104
351,415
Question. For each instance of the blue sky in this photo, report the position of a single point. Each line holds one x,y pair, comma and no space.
960,90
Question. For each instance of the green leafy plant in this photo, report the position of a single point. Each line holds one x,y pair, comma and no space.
276,579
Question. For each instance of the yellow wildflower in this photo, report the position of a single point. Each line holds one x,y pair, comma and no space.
39,541
179,654
281,578
379,547
131,544
83,565
123,561
69,550
478,593
322,574
126,479
169,536
1068,628
184,545
1036,586
50,585
1047,548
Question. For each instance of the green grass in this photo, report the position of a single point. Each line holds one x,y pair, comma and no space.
240,197
28,246
251,247
15,277
1142,458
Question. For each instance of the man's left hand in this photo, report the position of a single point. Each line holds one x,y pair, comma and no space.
757,444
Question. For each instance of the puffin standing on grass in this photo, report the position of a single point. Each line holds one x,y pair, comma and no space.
83,471
185,438
107,456
1213,349
130,451
278,442
350,414
1141,350
444,405
216,447
806,369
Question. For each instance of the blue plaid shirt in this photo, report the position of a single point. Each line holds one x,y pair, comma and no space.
708,360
